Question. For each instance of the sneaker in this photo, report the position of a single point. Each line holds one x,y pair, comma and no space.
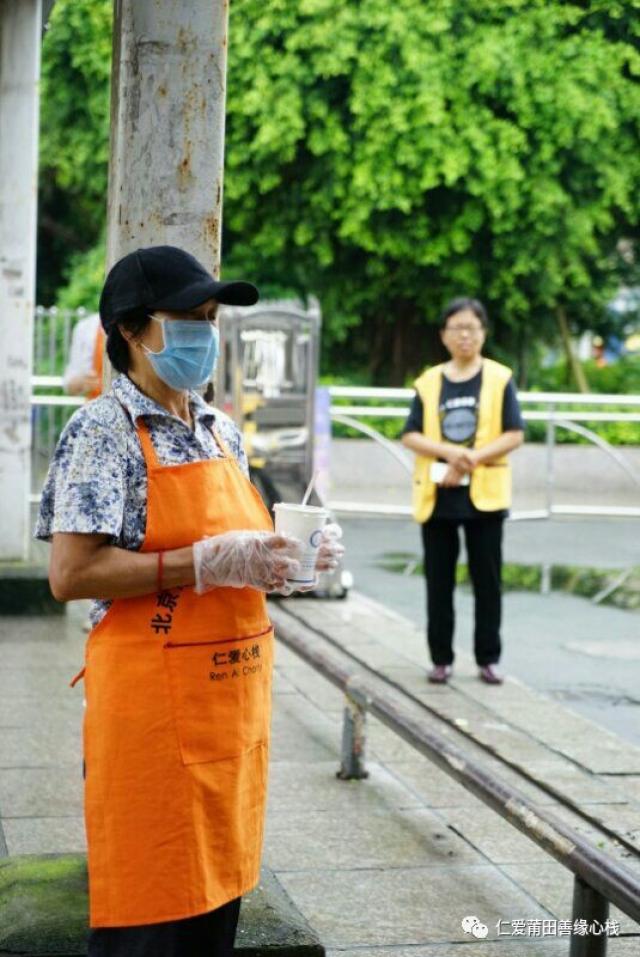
439,674
489,676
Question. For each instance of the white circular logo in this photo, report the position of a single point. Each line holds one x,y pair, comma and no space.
471,925
459,425
468,923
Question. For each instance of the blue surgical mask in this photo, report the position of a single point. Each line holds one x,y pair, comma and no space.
191,348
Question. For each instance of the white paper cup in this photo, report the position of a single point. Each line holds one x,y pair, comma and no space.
306,523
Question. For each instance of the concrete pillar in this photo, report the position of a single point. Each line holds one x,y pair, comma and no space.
167,126
20,26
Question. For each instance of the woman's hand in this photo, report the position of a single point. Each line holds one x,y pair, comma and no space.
470,458
452,477
456,456
259,560
331,550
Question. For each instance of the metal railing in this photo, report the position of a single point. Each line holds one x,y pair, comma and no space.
51,410
52,332
560,413
598,879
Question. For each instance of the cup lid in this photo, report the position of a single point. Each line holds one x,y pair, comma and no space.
293,507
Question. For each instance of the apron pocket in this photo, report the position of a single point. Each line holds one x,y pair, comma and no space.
221,694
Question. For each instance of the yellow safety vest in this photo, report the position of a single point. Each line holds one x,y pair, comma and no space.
490,488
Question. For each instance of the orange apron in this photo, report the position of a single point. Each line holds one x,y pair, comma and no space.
97,363
176,732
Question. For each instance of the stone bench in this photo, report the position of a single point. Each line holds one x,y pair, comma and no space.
44,907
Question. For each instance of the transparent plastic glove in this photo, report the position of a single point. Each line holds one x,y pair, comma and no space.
259,560
329,554
331,550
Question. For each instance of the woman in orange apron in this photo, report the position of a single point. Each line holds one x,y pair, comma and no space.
178,666
83,372
97,364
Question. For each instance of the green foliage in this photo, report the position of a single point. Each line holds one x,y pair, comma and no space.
75,120
74,138
619,378
387,156
615,433
515,577
86,277
389,428
573,579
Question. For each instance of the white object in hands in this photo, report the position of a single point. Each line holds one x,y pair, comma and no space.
438,471
305,523
245,559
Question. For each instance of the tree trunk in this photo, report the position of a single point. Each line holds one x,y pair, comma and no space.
577,371
522,370
378,330
398,349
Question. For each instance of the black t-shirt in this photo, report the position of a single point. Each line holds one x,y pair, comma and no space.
458,410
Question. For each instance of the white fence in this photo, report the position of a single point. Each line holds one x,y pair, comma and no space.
351,406
558,412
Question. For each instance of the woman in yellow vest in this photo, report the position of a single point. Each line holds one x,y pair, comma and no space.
463,422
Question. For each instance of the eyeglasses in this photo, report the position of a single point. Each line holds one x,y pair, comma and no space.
458,330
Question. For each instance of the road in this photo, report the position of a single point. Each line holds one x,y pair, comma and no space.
585,655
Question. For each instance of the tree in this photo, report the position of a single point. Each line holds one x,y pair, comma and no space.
74,141
387,156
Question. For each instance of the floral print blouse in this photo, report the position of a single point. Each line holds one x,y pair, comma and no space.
97,479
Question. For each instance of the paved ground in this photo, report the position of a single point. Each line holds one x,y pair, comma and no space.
587,656
392,864
394,877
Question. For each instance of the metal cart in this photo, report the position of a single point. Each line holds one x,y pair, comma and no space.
266,380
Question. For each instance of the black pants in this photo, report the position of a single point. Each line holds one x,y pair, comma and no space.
483,538
207,935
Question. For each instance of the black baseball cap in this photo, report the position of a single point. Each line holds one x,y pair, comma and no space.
165,277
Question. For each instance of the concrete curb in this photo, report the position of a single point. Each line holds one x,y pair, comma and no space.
43,912
24,590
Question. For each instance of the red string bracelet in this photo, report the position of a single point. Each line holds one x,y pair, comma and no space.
159,582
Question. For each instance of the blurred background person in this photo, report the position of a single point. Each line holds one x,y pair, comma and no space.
463,422
83,373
